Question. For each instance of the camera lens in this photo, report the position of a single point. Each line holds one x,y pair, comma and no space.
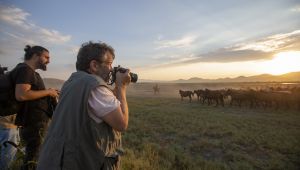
134,77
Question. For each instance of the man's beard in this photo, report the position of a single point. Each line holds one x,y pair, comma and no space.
104,74
106,77
42,66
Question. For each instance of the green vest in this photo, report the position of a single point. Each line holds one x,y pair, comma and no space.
75,141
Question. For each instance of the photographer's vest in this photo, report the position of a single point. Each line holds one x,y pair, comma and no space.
74,140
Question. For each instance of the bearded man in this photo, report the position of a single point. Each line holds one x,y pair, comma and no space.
30,91
85,132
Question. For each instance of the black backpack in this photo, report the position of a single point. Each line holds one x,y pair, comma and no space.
8,103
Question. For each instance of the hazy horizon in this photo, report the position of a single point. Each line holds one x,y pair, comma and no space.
154,80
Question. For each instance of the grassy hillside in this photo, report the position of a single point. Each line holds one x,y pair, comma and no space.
165,133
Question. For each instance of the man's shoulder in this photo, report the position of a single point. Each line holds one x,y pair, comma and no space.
101,91
23,68
84,77
22,74
22,65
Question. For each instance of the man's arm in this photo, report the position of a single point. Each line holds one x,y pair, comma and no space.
118,119
23,92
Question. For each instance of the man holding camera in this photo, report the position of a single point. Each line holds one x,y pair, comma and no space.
85,132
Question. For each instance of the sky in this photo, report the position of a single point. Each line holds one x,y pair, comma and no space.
158,39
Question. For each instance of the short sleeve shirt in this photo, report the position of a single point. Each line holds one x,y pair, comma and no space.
34,111
101,102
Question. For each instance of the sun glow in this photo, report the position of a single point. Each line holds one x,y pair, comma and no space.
283,62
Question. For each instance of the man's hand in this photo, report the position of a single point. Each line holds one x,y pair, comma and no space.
53,92
123,79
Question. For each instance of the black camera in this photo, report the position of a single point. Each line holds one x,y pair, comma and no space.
2,69
133,76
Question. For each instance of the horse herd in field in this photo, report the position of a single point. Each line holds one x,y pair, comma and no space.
271,98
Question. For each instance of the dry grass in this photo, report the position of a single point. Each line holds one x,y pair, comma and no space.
165,133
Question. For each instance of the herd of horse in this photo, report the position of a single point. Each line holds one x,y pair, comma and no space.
275,98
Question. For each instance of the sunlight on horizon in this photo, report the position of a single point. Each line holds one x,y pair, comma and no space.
283,62
201,70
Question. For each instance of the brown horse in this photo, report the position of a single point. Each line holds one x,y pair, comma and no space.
213,95
156,89
186,94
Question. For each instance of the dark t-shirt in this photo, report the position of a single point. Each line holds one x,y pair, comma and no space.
33,112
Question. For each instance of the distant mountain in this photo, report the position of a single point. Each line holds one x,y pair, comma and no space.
53,83
288,77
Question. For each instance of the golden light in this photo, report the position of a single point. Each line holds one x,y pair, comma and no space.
201,70
282,63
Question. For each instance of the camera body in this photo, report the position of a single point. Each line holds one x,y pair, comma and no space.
133,76
2,69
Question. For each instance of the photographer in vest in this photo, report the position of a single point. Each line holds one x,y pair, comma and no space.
30,91
85,132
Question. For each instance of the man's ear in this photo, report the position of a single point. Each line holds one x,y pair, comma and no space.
35,57
93,66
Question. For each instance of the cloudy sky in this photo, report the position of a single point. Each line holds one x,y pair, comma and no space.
159,39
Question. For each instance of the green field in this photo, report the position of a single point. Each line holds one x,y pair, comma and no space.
165,133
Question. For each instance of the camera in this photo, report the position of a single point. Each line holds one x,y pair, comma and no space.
133,76
2,69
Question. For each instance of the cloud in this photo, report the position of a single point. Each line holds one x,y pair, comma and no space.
229,55
176,61
53,36
20,38
14,16
2,52
261,49
17,31
179,43
296,9
17,22
73,49
272,43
